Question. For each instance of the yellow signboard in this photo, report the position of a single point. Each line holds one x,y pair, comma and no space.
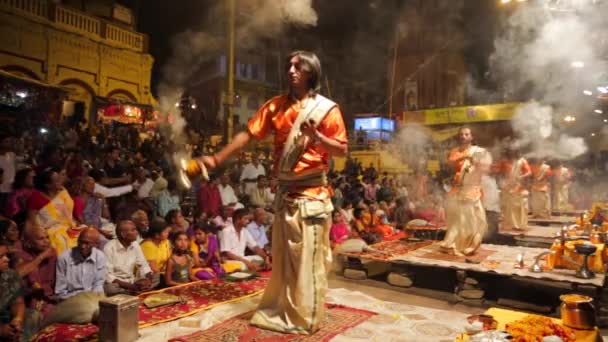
494,112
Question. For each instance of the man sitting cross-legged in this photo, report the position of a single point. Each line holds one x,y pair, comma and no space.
81,268
127,268
235,237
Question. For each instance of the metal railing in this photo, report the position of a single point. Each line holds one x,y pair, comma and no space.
76,21
38,8
124,37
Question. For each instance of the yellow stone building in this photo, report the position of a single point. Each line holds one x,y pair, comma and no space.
93,57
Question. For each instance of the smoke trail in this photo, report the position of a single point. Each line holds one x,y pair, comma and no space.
256,20
547,51
537,134
413,144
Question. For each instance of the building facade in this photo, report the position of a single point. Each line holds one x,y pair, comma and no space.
428,68
253,85
93,56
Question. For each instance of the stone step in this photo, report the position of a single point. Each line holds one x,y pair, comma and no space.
466,286
400,280
471,281
524,305
355,274
471,294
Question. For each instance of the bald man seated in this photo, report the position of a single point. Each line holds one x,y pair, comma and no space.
82,268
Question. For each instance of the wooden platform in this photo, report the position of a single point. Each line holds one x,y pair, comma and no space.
573,212
553,220
498,260
533,236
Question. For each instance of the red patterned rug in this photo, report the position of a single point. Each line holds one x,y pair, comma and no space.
237,329
435,253
199,296
390,249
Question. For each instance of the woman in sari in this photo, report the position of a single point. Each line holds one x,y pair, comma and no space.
206,250
52,207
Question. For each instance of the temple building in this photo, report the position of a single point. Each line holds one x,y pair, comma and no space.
89,52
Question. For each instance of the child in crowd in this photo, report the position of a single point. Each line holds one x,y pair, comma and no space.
339,231
206,251
181,263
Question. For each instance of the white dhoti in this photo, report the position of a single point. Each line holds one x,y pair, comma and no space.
540,203
515,215
466,225
561,198
294,299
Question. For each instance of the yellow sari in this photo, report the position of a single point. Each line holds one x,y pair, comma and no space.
56,217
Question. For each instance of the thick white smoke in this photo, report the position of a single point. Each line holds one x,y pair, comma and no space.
413,144
548,51
540,136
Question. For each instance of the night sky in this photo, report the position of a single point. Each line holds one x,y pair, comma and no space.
354,38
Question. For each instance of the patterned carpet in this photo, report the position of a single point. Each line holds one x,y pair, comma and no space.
199,296
338,319
434,252
390,249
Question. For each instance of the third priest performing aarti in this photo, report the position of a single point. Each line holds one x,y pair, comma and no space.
466,218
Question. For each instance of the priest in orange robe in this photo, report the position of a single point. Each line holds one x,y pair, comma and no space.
308,129
516,172
465,215
540,194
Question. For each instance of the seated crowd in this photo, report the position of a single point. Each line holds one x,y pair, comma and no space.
375,211
111,219
107,225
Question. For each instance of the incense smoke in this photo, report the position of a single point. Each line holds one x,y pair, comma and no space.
537,133
255,20
549,54
413,144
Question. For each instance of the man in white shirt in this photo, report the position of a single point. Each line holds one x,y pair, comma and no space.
257,229
106,191
127,269
234,238
227,193
143,184
491,203
261,196
250,174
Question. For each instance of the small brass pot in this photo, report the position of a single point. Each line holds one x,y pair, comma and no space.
577,311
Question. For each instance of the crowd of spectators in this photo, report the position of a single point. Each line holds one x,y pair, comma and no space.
104,213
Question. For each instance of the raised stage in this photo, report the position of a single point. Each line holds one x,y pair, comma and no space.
475,278
532,236
492,259
553,220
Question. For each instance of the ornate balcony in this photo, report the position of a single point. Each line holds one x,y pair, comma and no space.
72,20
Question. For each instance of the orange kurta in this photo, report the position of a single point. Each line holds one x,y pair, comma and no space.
456,159
541,179
277,116
506,169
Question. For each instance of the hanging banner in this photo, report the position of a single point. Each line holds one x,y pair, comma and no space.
468,114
